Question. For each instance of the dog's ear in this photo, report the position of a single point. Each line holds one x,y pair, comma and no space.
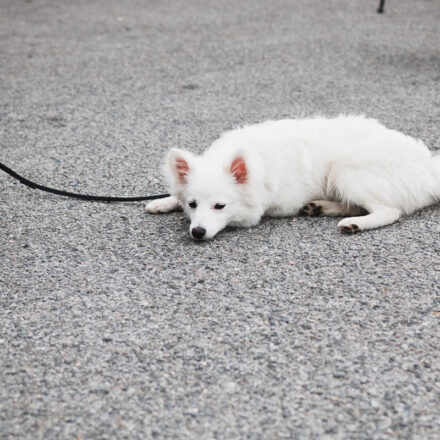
178,164
239,170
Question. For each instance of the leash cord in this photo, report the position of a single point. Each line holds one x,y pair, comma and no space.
90,198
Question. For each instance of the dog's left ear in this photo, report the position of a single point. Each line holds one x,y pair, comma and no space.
239,170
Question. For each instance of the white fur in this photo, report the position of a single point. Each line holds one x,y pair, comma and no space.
350,159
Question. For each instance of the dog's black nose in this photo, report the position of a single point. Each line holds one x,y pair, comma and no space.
198,232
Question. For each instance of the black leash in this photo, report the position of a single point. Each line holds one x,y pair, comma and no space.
90,198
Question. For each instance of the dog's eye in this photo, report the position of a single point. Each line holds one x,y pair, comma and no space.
219,206
192,204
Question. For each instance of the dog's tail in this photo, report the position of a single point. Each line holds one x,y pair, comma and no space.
436,160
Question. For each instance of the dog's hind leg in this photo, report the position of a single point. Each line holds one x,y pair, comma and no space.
378,216
330,207
166,204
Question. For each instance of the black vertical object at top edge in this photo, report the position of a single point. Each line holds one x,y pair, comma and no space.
380,10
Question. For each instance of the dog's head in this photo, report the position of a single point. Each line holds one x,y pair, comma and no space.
213,191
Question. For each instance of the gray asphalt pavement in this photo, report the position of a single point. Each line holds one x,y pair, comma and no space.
113,323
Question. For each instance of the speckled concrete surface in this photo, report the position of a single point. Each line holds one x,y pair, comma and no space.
114,324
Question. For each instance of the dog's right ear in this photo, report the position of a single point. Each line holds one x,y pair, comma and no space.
178,166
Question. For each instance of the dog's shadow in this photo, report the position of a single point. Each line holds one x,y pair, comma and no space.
266,225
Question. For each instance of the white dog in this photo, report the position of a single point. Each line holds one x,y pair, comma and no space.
347,166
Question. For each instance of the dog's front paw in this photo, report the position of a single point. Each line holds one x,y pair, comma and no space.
311,209
160,206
